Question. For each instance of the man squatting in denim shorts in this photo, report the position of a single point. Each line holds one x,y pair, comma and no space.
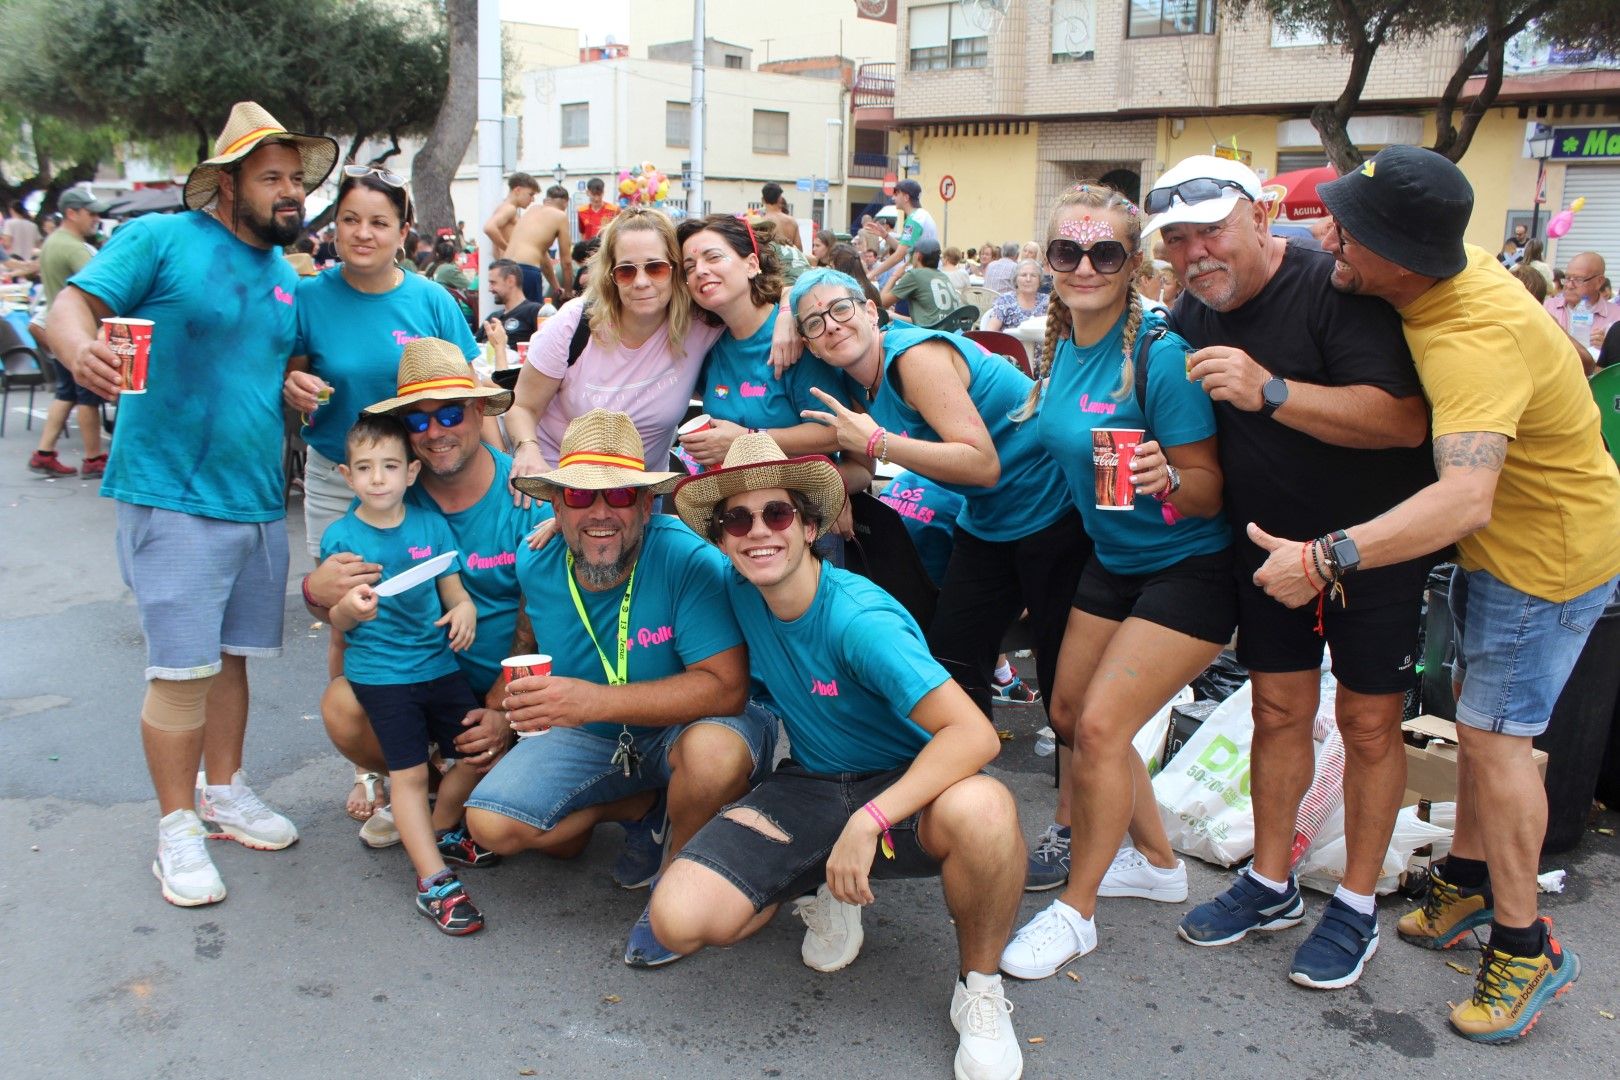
886,756
1531,498
645,718
196,468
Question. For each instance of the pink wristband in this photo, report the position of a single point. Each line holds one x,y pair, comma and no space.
886,845
872,443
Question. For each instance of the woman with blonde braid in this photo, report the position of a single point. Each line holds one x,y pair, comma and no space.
1155,601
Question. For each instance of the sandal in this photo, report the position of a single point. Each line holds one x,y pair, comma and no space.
371,784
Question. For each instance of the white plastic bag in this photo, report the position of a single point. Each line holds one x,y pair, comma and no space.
1203,793
1149,741
1323,866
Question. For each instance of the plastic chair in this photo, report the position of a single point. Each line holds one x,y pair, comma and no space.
21,368
980,297
1003,344
959,321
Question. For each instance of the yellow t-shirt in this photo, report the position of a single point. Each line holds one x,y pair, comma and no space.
1491,359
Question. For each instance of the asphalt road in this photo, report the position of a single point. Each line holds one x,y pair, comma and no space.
318,965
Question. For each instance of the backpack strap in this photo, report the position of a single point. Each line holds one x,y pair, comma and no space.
582,334
1144,341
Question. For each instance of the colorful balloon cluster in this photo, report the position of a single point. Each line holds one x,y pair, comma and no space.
1561,221
643,185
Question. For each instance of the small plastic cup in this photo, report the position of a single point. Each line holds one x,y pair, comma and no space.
131,341
522,667
1112,450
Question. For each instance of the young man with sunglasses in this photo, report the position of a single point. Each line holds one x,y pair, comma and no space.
1320,419
884,781
530,242
644,718
1531,499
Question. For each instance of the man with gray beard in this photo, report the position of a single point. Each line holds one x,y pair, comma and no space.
1319,410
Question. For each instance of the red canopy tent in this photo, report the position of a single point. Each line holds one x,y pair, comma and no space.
1295,194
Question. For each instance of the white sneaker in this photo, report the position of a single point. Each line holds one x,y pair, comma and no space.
234,812
832,930
1048,941
379,831
988,1049
182,866
1131,874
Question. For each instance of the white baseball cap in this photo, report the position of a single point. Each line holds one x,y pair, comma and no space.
1234,181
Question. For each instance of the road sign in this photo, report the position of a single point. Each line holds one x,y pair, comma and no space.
947,187
580,186
889,180
804,183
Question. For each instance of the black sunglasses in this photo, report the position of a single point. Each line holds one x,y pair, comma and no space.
739,520
1201,189
1107,256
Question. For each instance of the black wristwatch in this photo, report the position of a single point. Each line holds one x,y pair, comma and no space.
1343,550
1272,395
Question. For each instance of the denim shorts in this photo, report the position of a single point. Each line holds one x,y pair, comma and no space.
1515,651
327,497
811,809
68,389
203,587
406,717
546,777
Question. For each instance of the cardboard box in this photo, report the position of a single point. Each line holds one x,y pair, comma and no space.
1185,720
1431,760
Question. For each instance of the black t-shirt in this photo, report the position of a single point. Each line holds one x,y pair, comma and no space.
1293,485
519,322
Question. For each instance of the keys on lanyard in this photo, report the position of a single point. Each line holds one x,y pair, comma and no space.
626,756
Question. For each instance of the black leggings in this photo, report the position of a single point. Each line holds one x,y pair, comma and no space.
987,583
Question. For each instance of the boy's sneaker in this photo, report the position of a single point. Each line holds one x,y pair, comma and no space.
446,903
235,812
379,831
1511,991
643,851
1130,874
50,465
644,950
1337,950
182,866
1247,905
832,930
1048,941
94,466
988,1049
457,847
1014,692
1448,913
1049,861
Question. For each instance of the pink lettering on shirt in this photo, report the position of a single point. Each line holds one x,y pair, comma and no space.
1089,406
824,689
906,508
749,389
402,337
419,552
476,561
646,636
284,296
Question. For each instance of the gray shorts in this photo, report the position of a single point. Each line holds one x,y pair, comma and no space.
327,497
205,588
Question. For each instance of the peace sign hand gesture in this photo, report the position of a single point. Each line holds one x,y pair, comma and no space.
854,429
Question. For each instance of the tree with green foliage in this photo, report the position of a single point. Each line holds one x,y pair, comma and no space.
436,162
1362,27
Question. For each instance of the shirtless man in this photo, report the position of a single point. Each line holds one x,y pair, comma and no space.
521,190
529,245
774,208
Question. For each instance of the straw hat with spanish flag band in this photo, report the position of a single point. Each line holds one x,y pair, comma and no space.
434,370
248,126
601,450
756,463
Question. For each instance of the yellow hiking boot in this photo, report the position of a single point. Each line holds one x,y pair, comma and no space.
1448,913
1511,991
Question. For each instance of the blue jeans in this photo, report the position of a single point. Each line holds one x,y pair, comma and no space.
1515,651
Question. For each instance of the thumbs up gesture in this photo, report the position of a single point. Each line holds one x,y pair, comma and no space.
1286,575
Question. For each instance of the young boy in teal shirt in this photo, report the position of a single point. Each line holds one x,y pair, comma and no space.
399,661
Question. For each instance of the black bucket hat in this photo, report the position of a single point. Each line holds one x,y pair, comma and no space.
1407,204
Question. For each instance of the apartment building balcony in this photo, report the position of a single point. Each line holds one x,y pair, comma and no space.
872,100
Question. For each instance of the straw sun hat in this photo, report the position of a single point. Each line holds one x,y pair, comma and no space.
250,125
756,463
600,450
435,370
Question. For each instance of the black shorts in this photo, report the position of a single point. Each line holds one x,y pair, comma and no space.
1374,647
408,716
812,809
1193,597
534,282
69,390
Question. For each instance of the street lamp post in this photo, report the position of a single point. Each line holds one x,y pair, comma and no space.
1541,148
908,161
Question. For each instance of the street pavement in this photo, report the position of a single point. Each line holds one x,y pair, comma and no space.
318,964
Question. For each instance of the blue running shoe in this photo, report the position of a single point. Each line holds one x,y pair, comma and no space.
445,902
1340,946
1049,861
457,847
644,950
1247,905
643,851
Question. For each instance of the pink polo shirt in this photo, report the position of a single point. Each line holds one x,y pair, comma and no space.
1604,314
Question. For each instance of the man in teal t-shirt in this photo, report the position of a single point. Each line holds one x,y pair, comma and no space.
876,724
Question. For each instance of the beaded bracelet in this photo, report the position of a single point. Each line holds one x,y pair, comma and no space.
878,435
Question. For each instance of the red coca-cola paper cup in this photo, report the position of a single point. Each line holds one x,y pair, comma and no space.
1111,452
521,667
131,341
700,422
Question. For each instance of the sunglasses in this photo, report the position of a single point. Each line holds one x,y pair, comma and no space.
814,324
1202,189
448,417
739,520
584,498
392,179
655,269
1107,256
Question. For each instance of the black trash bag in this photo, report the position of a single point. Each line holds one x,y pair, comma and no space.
1221,679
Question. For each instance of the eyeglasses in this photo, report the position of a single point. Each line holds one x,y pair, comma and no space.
448,416
1107,256
584,498
655,269
1339,238
814,324
739,520
1192,192
1587,280
392,179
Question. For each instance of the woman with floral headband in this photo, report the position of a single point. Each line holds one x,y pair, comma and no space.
1155,601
